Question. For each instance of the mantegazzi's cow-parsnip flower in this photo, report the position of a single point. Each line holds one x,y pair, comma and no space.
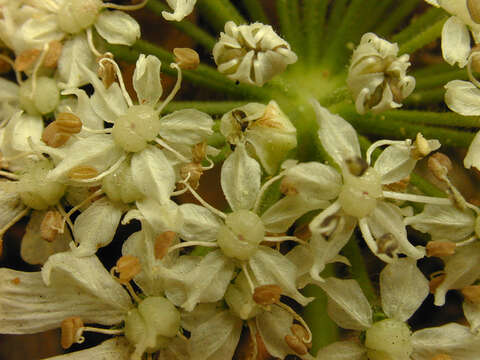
181,8
252,54
377,75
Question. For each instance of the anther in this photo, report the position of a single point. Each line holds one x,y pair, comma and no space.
473,7
25,60
51,225
440,248
356,166
53,54
421,148
199,151
127,267
82,172
106,70
472,293
296,344
186,58
387,244
193,171
68,123
267,294
52,136
70,327
435,282
162,243
399,186
301,333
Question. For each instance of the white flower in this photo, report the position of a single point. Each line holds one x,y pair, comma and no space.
377,75
181,8
252,54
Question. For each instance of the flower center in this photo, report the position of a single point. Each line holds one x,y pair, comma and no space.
240,236
133,130
389,339
77,15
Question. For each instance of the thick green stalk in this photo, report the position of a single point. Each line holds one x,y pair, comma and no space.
192,30
425,97
397,17
289,17
419,25
218,12
255,11
440,79
210,107
431,69
384,126
425,186
428,35
337,13
324,330
314,16
433,118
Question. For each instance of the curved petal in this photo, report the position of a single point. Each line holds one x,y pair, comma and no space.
181,8
473,155
117,27
463,97
146,79
455,42
186,127
199,223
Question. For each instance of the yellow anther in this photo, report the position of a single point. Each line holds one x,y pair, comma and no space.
82,172
296,344
69,327
421,148
68,123
53,54
26,59
53,136
127,267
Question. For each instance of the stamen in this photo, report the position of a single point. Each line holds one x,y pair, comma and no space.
284,238
204,203
175,88
52,224
267,294
370,241
82,172
97,131
26,59
264,187
182,158
80,331
128,266
100,176
162,243
70,327
120,79
186,58
435,281
106,72
37,66
297,317
192,243
18,76
380,143
125,7
417,198
468,241
65,216
127,285
249,279
440,248
9,175
53,54
91,45
194,172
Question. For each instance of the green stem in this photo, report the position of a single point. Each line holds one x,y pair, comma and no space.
431,69
289,17
419,25
425,37
440,79
192,30
218,12
337,13
203,75
358,269
324,330
209,107
384,126
397,17
314,16
425,97
433,118
255,11
425,186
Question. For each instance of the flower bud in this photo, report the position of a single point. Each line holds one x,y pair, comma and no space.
252,54
42,99
389,339
77,15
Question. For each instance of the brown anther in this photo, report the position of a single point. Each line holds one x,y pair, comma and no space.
195,170
53,136
162,243
356,165
301,333
287,188
302,232
127,267
473,7
399,186
199,151
68,123
26,59
82,172
442,357
421,148
53,54
186,58
267,294
296,344
16,281
472,293
387,244
51,225
440,165
440,248
106,70
435,283
69,328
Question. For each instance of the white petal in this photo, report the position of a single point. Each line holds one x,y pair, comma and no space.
74,52
188,127
473,155
342,350
463,97
96,227
84,111
451,339
199,223
181,8
403,289
394,164
113,349
152,174
337,136
472,314
347,305
146,79
273,326
240,179
117,27
455,42
161,217
10,206
34,249
216,338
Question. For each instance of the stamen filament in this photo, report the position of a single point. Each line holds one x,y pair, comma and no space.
284,238
83,202
379,143
175,88
192,243
263,189
127,285
80,339
298,318
91,45
9,175
37,66
173,151
316,224
249,279
417,198
467,241
100,176
97,131
65,217
120,79
204,203
469,70
125,7
370,241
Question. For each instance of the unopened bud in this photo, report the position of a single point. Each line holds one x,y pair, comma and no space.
68,123
51,225
186,58
82,172
421,148
194,172
387,244
474,10
439,164
26,59
53,136
472,293
442,357
296,345
440,248
435,283
53,54
356,165
127,267
267,294
162,243
69,327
